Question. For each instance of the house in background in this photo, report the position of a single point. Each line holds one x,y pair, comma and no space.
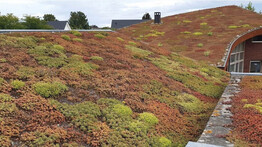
59,25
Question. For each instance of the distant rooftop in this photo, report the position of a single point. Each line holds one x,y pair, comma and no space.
58,25
117,24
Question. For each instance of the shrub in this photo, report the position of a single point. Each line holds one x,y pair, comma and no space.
3,60
66,37
206,53
210,33
97,58
76,33
49,89
198,33
78,39
122,110
120,39
148,118
100,36
200,45
17,84
132,43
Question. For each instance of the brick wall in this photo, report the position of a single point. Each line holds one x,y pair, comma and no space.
253,52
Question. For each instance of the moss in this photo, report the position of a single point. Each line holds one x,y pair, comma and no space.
17,84
97,58
138,53
100,36
49,89
120,39
148,118
76,33
3,60
66,37
78,39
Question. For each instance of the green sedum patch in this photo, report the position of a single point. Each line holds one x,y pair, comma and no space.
148,118
3,60
76,33
17,84
25,72
138,53
49,89
97,58
1,81
66,37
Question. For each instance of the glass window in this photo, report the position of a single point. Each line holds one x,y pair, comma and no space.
241,66
255,66
232,68
232,58
241,56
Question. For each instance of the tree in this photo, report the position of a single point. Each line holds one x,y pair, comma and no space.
32,22
146,16
9,21
78,20
250,7
49,17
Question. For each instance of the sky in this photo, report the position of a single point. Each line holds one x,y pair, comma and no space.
101,12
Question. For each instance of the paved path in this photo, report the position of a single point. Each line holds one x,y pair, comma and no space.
219,123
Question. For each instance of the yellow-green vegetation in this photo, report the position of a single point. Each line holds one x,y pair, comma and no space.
82,115
51,56
213,87
159,44
233,27
164,142
18,42
6,105
122,110
244,100
203,24
148,118
186,32
77,65
1,81
25,72
76,33
245,25
200,45
187,21
3,60
120,39
198,33
132,43
137,52
257,106
66,37
154,33
190,103
97,58
47,89
78,39
206,53
17,84
100,36
210,33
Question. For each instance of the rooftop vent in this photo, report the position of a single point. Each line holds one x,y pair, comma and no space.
157,18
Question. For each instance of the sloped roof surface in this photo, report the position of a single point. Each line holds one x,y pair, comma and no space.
59,25
117,24
200,35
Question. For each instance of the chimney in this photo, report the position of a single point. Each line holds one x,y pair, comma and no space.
157,18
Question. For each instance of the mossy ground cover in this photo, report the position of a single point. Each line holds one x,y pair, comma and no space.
101,91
